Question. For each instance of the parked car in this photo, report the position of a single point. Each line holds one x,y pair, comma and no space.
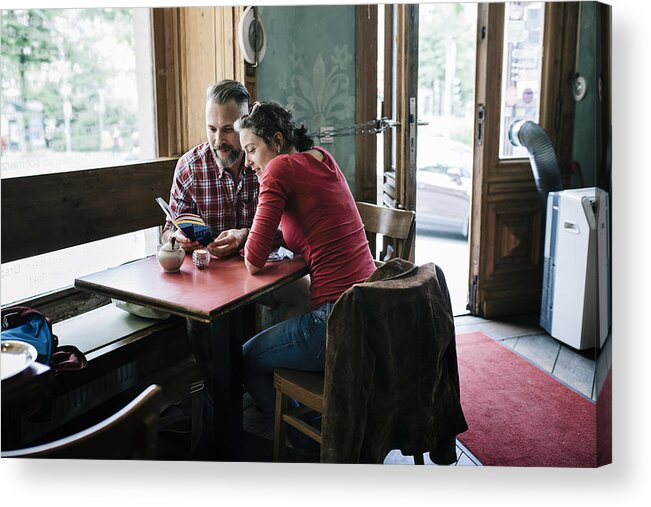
444,188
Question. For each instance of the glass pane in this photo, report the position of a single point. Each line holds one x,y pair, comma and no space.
77,89
522,69
26,278
446,94
77,93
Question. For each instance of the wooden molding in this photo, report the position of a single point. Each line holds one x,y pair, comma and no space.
559,56
604,154
366,145
165,27
200,68
401,112
387,104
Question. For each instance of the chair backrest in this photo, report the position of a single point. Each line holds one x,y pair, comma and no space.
131,433
395,223
391,377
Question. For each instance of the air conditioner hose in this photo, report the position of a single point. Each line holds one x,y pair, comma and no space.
544,165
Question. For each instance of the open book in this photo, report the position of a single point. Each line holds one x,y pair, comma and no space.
190,225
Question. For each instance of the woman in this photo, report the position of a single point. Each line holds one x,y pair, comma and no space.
303,190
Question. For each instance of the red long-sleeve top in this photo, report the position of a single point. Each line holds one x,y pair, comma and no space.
316,210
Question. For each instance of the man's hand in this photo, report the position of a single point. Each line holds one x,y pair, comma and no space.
181,240
228,242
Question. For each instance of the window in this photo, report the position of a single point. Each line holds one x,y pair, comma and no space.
55,270
77,93
522,70
77,89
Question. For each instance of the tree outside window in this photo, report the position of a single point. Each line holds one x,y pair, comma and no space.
72,89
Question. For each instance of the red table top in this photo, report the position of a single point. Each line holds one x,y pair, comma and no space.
202,295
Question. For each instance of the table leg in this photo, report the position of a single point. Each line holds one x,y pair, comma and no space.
218,349
226,342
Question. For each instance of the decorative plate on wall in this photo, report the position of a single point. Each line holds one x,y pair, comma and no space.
253,42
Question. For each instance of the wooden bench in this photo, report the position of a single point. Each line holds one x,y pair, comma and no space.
125,353
98,331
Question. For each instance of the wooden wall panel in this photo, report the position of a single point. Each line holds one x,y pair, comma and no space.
516,232
194,47
209,53
49,212
165,23
199,64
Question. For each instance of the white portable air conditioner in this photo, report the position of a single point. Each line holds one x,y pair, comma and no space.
576,277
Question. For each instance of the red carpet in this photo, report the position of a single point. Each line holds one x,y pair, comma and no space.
605,422
517,414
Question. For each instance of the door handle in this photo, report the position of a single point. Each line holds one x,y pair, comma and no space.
481,117
412,131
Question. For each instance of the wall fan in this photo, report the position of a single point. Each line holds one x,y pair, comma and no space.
253,41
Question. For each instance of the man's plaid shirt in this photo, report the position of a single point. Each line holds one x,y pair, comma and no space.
200,186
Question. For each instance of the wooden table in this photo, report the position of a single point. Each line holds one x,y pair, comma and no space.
211,300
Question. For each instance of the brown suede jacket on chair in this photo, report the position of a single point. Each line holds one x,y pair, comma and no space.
391,379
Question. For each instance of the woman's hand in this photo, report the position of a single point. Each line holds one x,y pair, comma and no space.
252,269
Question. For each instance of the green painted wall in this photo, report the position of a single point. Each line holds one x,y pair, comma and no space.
309,64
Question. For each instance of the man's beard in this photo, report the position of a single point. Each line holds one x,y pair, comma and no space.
232,157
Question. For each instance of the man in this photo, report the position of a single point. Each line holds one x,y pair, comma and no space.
211,179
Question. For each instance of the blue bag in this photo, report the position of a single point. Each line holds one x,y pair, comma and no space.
29,325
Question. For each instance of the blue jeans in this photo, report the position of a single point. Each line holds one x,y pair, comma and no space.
297,343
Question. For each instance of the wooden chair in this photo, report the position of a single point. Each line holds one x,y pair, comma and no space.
131,433
398,224
307,387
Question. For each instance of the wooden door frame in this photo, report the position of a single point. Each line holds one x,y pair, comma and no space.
388,165
557,111
400,62
400,85
407,86
366,101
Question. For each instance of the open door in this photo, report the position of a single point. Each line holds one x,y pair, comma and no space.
507,222
400,105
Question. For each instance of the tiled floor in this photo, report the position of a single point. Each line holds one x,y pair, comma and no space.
579,370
